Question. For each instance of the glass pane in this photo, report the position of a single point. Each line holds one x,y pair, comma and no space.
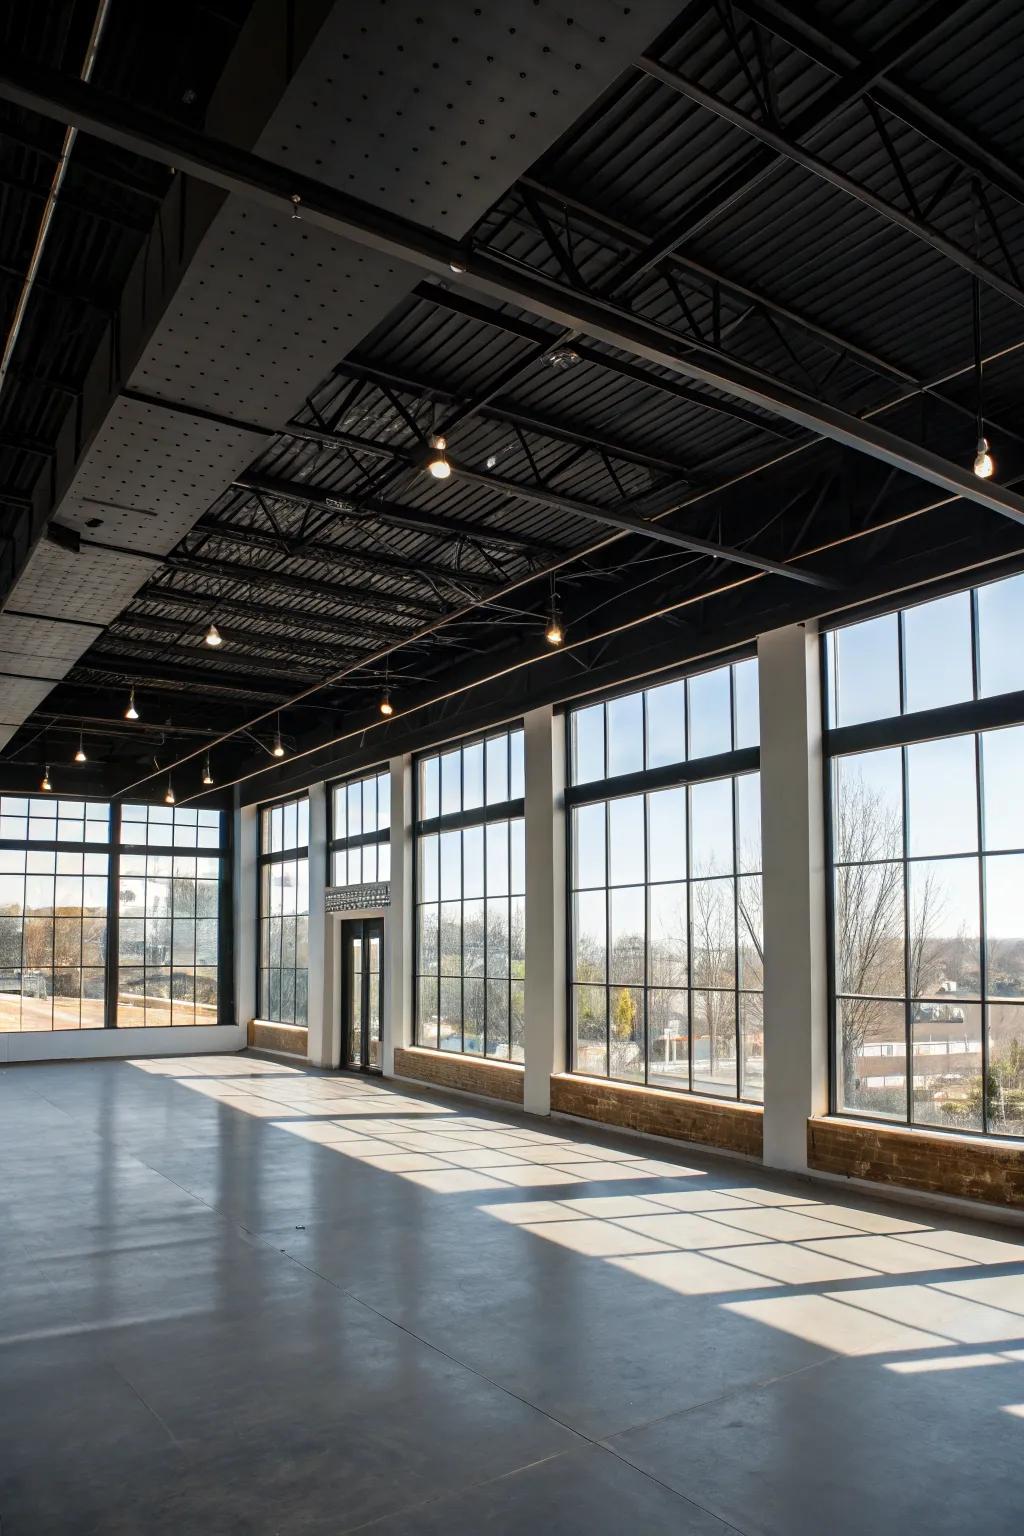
473,938
745,697
430,782
625,734
451,865
869,936
750,932
1001,637
668,1038
626,935
666,724
473,776
590,1024
497,852
946,1043
1005,1025
752,1046
1004,925
369,789
626,1032
590,936
942,801
864,671
473,861
748,822
588,744
944,928
426,1011
451,782
497,769
872,1057
497,1019
867,806
428,868
668,935
450,920
497,936
711,835
517,855
710,713
626,840
713,933
937,652
588,845
474,1015
449,1019
666,835
517,765
1002,772
714,1043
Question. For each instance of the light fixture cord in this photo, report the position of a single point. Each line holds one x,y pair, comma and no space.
979,375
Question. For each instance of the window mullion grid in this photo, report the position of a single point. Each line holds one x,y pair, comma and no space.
112,968
908,1003
607,937
736,933
689,921
982,924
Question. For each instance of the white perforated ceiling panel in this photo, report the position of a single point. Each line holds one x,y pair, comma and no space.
430,111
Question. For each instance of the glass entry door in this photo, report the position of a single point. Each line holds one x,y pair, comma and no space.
362,946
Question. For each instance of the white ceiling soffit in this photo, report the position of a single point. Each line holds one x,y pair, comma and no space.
430,115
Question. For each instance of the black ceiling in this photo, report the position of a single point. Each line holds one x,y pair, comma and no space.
825,194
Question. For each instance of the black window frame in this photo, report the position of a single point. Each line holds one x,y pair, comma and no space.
337,844
113,848
968,718
735,763
279,856
513,809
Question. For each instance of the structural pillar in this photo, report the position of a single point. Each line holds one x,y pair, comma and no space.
793,862
544,743
321,1044
397,1017
245,879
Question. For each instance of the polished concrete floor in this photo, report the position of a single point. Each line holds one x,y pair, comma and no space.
239,1297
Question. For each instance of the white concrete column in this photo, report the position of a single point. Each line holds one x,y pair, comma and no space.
545,905
793,853
321,1043
245,878
399,940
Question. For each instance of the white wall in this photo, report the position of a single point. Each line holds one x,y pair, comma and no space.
83,1044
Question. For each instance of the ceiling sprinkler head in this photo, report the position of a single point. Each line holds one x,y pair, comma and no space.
562,358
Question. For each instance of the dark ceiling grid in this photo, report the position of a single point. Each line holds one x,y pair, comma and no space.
748,327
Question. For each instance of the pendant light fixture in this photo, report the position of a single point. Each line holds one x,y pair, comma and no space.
131,713
438,464
277,750
554,634
169,797
213,636
207,775
44,782
984,464
80,756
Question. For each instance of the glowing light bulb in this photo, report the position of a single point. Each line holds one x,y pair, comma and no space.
131,713
278,747
386,706
984,464
213,636
169,797
438,465
44,782
80,756
554,634
207,775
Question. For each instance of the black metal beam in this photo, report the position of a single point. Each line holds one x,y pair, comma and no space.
504,412
227,664
210,605
416,519
242,642
142,132
807,32
160,676
787,146
340,554
261,576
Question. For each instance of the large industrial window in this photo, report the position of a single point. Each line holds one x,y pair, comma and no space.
54,870
170,883
284,911
110,915
470,898
926,765
665,975
360,836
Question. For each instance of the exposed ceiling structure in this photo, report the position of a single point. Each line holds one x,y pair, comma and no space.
695,298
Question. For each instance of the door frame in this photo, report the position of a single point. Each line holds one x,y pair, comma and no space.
364,927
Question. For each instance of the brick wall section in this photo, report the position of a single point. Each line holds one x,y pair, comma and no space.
289,1038
947,1165
469,1074
660,1112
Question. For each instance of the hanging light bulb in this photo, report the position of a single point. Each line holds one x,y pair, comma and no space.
278,748
131,713
984,463
80,756
438,464
207,775
213,636
554,634
169,797
386,706
44,782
